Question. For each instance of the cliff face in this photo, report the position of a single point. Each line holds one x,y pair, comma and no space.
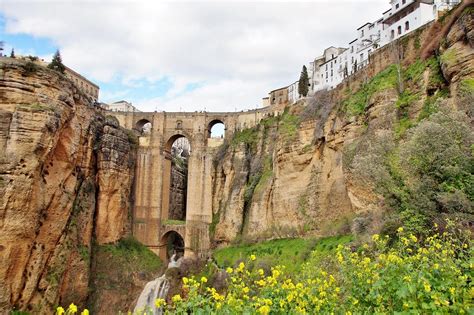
313,169
65,179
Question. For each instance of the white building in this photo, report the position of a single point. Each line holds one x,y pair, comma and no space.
403,17
121,106
293,95
328,69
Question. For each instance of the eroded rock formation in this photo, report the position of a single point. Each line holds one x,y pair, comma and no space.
65,178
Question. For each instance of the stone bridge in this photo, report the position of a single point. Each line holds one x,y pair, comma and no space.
151,224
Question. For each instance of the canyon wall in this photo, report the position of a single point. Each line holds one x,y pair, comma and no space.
66,173
295,174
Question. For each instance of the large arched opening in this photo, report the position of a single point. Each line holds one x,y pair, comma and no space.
175,180
171,243
216,129
143,126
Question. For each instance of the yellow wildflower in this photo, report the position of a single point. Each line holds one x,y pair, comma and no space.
72,308
400,230
203,279
427,287
253,257
159,303
265,309
60,310
177,298
85,312
229,270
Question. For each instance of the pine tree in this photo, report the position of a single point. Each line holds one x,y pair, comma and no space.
57,63
303,82
12,54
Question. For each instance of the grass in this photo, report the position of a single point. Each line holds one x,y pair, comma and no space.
173,222
356,103
289,252
128,251
402,126
449,56
467,87
267,173
405,99
430,105
289,124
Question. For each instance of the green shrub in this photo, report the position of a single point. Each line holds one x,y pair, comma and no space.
29,68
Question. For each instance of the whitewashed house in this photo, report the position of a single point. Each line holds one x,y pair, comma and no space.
408,15
293,95
404,16
326,70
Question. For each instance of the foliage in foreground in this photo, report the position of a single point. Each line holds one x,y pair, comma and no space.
428,276
289,252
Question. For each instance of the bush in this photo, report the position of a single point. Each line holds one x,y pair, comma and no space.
29,68
431,172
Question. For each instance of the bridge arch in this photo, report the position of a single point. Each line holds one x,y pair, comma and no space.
174,193
216,129
171,242
143,125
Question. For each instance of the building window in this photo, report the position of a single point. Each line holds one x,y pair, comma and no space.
362,33
397,6
399,30
326,67
404,1
361,57
392,35
331,73
407,26
352,49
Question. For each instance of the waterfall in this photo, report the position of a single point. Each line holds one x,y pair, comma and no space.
156,289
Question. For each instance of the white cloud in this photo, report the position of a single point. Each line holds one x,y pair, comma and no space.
239,49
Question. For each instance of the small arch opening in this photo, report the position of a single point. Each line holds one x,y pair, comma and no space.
143,126
173,244
216,129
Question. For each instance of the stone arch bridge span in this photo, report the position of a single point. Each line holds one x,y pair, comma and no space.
157,131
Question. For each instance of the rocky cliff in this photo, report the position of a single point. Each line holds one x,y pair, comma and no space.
66,173
332,163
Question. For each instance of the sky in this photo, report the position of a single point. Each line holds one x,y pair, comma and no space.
184,55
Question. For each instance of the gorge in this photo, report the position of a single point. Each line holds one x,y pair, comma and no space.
75,180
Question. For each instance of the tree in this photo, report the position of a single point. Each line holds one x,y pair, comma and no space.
12,54
1,48
57,63
303,82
